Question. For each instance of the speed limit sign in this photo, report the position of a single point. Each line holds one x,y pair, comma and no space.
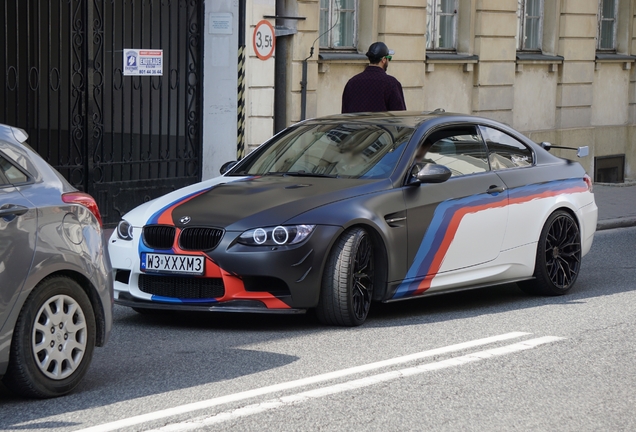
264,40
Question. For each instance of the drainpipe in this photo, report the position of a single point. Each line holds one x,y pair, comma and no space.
303,87
280,71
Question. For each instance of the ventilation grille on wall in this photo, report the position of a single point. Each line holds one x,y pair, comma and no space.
609,169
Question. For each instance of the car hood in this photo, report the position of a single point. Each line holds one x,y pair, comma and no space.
243,203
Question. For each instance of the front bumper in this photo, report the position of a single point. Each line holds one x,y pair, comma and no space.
282,279
241,306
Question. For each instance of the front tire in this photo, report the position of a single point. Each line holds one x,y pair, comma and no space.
558,260
347,283
53,340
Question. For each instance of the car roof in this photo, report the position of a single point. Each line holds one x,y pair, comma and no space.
413,119
390,118
14,145
416,119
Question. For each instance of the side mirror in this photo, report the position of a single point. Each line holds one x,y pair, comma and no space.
430,173
227,166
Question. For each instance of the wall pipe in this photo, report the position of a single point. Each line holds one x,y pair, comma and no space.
303,87
280,72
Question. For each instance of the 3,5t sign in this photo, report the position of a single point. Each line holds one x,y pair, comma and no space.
264,40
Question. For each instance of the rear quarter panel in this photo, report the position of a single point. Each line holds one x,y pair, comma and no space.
536,192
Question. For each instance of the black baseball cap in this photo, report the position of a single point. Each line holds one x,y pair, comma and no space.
377,50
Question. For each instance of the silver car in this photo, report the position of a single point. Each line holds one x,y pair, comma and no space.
56,295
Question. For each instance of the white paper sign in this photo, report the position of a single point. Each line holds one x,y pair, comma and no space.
220,23
143,62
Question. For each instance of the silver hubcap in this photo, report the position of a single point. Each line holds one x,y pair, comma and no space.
59,337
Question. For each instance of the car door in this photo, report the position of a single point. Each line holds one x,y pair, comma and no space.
18,226
510,159
459,223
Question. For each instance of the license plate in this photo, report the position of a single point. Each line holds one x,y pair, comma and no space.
163,263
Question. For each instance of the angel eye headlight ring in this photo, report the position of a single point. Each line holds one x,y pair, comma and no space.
259,236
124,230
280,235
276,236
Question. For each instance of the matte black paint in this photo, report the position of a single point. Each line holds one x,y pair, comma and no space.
269,200
335,205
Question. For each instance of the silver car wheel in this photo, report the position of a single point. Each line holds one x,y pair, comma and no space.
59,337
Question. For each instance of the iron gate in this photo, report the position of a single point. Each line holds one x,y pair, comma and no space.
123,139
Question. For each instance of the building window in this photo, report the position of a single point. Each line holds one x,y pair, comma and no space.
441,24
530,25
338,23
607,25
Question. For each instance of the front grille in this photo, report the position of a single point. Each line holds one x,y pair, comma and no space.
200,238
158,236
183,288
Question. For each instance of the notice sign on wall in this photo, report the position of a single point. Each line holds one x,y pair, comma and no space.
143,62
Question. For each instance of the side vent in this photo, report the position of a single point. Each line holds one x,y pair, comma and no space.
395,220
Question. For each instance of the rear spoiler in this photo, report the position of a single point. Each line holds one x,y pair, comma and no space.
580,151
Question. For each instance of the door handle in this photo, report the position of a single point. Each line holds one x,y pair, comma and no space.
12,210
494,189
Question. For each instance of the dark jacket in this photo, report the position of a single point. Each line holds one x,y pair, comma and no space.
373,90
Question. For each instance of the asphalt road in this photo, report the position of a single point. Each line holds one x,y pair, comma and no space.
564,363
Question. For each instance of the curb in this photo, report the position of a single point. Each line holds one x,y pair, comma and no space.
616,223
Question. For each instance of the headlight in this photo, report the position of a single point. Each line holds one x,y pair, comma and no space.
276,236
124,230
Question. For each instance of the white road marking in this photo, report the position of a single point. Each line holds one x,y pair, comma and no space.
352,385
195,406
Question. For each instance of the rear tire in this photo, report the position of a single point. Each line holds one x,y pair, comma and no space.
53,340
558,260
347,283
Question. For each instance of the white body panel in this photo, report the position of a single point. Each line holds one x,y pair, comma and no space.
473,240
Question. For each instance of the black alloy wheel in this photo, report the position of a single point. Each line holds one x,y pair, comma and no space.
558,259
347,287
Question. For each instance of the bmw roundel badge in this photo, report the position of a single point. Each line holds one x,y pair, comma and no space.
185,219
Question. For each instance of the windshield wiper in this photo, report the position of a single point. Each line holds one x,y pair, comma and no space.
308,174
301,174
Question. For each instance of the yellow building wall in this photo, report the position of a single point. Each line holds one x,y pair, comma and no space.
579,100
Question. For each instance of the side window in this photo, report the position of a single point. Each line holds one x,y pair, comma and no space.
13,174
505,151
459,149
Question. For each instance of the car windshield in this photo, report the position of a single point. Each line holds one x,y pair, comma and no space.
330,150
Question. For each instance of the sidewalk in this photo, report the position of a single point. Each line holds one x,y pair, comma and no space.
616,205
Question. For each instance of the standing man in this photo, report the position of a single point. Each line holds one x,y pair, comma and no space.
373,89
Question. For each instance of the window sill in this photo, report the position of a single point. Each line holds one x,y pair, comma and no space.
626,60
341,56
537,58
326,58
450,58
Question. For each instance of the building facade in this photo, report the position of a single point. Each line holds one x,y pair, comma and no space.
234,72
559,70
